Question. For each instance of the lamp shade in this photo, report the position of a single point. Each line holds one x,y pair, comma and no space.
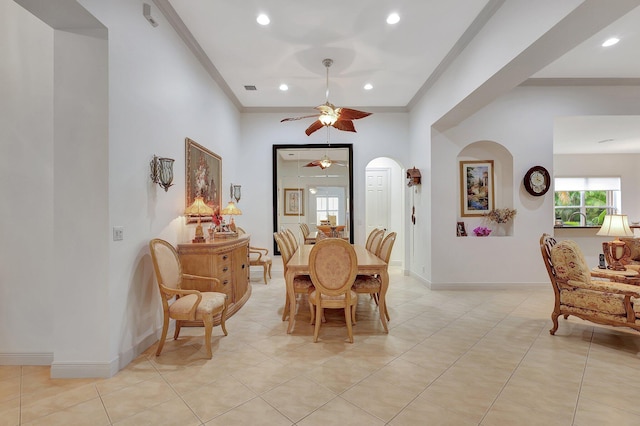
231,209
615,225
198,208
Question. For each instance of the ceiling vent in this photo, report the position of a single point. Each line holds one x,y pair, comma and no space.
250,87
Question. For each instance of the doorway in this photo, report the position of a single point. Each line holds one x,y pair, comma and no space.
384,202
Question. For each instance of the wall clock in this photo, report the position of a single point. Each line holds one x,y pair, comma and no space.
537,181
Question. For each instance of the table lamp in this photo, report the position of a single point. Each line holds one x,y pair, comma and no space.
616,225
231,210
199,208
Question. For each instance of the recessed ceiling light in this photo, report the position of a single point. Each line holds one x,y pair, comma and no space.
368,86
610,42
250,87
284,87
263,19
393,18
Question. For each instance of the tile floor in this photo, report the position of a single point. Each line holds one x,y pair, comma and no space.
450,358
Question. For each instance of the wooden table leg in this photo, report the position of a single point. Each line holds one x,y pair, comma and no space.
382,303
291,295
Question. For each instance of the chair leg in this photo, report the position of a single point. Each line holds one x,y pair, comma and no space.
269,270
264,273
165,328
208,328
316,331
285,311
223,318
177,330
347,318
353,312
312,312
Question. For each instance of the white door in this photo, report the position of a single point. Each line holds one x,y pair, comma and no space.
377,199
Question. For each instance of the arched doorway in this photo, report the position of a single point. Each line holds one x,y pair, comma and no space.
384,202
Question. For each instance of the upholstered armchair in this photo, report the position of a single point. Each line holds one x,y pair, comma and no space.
631,258
259,256
576,293
183,304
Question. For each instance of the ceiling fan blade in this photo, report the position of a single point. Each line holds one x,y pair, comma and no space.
351,114
297,118
346,125
316,125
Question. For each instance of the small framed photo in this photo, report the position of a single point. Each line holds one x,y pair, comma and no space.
460,231
476,187
293,202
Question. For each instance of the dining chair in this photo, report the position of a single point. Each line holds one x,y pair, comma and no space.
292,240
372,284
306,232
259,256
301,283
189,304
376,240
333,266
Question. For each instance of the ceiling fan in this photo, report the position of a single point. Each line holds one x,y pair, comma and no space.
339,118
324,163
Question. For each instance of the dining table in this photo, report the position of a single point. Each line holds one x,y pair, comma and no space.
368,264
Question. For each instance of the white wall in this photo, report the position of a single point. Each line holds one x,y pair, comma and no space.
523,122
158,94
26,187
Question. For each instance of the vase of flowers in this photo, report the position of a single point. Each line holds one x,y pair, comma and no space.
482,231
501,217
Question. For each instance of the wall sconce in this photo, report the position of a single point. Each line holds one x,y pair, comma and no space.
162,171
235,192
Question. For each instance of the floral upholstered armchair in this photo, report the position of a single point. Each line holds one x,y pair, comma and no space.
631,258
576,293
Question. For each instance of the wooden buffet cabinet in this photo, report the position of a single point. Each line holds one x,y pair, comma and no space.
226,259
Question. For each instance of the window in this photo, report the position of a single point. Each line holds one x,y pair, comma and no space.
326,206
583,201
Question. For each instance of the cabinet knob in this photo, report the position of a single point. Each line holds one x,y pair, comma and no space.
243,266
225,257
225,269
225,282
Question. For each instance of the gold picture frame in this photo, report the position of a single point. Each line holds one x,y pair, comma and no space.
476,187
293,202
203,177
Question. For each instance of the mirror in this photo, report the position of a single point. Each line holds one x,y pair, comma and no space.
310,183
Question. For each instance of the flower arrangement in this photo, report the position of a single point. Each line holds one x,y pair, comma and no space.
481,231
501,215
216,219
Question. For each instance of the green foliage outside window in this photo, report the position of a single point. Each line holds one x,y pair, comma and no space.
569,205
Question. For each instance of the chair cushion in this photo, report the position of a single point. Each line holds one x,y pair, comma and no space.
367,284
354,296
302,283
569,263
608,303
211,302
634,246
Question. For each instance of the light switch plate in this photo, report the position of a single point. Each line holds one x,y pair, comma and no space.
118,233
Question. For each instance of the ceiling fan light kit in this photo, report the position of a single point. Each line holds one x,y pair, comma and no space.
339,118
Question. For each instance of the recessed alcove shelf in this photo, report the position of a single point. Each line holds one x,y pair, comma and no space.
503,186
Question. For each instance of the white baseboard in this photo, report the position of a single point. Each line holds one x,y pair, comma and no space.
26,359
81,370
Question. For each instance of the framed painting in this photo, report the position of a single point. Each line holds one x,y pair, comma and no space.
203,177
476,187
460,231
293,202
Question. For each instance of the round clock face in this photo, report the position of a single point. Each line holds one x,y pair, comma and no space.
537,181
